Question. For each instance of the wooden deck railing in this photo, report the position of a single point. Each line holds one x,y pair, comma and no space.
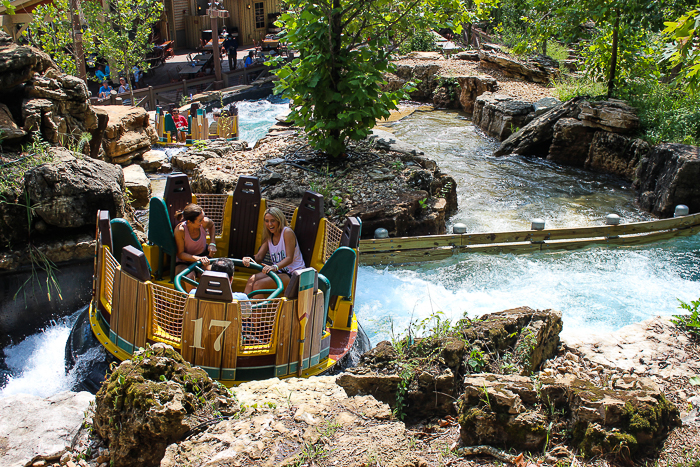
152,96
437,247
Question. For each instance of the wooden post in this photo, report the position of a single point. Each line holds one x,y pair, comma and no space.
225,76
151,98
184,89
78,38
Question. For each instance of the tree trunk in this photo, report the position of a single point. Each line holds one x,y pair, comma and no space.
78,38
336,44
613,56
544,46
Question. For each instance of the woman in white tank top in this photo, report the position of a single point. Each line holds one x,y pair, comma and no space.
280,241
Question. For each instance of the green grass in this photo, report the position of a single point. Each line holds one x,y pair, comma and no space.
568,87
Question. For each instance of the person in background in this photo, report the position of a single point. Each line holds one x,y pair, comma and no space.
191,239
280,241
249,59
138,75
101,75
216,113
105,90
180,123
123,85
231,46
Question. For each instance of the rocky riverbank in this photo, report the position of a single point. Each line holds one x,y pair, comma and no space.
319,422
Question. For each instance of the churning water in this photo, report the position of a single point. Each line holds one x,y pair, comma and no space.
597,289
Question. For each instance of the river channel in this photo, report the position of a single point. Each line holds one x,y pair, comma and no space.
597,289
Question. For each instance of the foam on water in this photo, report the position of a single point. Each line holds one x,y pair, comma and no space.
37,364
256,117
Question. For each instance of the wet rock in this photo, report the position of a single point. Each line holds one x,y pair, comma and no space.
667,176
388,141
616,154
68,194
499,115
128,134
151,401
571,142
32,427
139,185
536,137
612,115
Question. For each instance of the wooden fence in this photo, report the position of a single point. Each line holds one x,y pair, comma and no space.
436,247
152,96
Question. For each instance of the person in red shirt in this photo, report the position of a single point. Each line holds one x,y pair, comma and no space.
180,124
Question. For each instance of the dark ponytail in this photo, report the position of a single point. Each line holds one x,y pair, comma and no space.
190,213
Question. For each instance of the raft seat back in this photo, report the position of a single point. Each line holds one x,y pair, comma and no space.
123,235
215,286
352,230
309,215
160,233
134,263
177,195
244,217
170,125
340,272
292,290
105,228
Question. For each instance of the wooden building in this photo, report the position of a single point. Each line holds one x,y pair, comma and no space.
183,21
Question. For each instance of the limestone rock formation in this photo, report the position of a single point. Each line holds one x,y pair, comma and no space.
128,135
538,69
611,115
8,128
499,115
616,154
19,63
138,184
536,137
473,87
628,417
527,335
571,142
68,194
667,176
31,426
152,161
151,401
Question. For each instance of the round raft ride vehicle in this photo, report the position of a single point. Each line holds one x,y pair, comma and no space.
305,329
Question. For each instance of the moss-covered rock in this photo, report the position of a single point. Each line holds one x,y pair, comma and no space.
152,401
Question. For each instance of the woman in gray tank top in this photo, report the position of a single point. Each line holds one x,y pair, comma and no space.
278,240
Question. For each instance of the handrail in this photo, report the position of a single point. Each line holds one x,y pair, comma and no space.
435,247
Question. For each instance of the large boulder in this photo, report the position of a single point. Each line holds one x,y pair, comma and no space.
571,142
629,416
537,69
138,184
19,63
499,115
68,194
425,77
616,154
535,138
32,427
473,87
429,389
611,115
151,401
128,135
667,176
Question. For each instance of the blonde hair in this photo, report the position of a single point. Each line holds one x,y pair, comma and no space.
277,214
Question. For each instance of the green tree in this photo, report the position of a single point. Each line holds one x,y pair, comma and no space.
335,85
50,31
123,31
683,47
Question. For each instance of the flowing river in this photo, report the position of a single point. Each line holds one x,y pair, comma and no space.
596,289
